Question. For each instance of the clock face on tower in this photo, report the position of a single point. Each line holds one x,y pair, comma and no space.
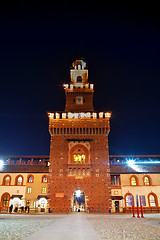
79,100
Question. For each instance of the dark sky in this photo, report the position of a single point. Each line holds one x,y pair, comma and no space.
121,45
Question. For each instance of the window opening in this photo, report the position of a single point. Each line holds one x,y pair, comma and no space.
29,190
79,79
79,158
19,181
30,179
44,180
7,180
129,200
44,190
115,180
152,200
146,181
5,201
133,181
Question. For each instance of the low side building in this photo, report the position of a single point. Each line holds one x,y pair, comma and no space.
135,178
24,182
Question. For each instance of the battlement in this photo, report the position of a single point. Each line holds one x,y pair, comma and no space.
79,87
79,115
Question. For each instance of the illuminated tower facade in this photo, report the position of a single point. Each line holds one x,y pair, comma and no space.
79,174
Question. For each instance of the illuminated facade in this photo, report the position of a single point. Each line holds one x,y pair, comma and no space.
79,174
24,182
79,156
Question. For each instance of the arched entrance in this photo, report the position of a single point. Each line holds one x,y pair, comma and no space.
79,204
17,202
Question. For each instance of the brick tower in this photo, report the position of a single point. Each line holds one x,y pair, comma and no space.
79,175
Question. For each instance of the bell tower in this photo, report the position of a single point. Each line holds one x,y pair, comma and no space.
79,93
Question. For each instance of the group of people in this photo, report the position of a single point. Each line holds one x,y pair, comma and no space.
20,210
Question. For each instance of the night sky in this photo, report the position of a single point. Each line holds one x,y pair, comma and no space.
121,46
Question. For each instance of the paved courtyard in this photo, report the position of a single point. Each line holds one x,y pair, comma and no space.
79,226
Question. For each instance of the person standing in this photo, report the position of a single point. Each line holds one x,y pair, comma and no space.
10,208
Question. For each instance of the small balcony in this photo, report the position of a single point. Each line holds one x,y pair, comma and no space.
79,170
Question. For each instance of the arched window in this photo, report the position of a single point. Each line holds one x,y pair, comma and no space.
44,179
133,181
83,171
152,199
79,158
146,181
129,200
79,79
30,179
79,173
5,200
70,172
74,172
79,154
19,180
7,180
88,172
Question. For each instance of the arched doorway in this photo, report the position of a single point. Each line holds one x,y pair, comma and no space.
17,202
79,204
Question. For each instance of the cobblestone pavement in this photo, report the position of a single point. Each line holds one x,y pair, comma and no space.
18,227
107,226
121,227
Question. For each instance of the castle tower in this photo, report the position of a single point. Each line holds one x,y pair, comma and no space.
79,94
79,175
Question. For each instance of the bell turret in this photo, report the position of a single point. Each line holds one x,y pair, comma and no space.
79,74
79,93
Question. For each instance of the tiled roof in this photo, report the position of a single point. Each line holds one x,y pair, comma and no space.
24,169
118,164
124,168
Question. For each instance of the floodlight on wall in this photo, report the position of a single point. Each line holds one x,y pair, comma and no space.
130,162
1,163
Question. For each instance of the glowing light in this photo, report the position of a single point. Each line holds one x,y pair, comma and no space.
65,85
69,115
79,85
76,115
107,114
79,158
1,163
71,86
149,162
91,86
94,115
131,162
63,115
78,193
51,115
82,115
101,114
57,115
88,114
